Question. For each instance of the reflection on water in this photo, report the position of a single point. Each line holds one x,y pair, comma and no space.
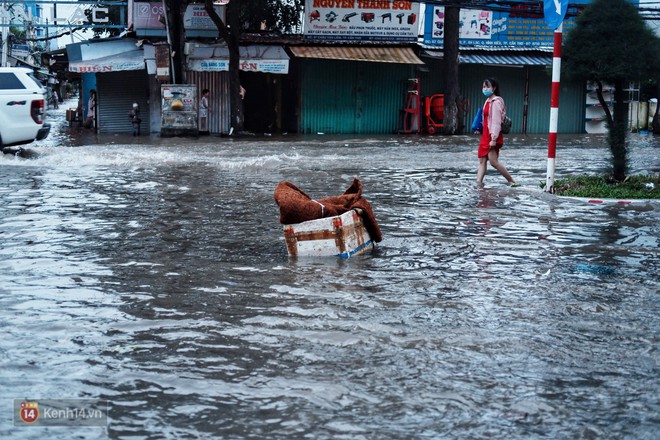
153,273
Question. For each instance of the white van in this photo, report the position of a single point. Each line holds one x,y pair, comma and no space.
22,101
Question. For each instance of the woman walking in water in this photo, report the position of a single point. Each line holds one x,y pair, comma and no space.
492,139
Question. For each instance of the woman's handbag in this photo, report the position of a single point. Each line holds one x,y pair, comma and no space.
506,125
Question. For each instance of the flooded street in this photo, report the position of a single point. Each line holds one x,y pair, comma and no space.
153,273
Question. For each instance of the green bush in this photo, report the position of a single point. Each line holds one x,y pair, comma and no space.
633,187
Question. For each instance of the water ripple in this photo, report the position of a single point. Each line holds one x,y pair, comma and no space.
153,273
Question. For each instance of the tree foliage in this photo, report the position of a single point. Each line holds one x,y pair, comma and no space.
611,41
272,15
611,44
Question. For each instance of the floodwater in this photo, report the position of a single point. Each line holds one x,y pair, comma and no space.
153,273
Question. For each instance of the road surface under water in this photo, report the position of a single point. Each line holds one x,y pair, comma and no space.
153,273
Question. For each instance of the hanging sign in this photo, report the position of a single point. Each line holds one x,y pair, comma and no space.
20,50
162,61
196,17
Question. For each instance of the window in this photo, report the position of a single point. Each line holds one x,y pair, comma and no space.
9,81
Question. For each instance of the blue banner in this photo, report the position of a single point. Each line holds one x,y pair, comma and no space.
520,27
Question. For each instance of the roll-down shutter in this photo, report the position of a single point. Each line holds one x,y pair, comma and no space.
117,91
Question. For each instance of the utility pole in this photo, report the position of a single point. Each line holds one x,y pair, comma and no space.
29,34
5,32
555,11
47,37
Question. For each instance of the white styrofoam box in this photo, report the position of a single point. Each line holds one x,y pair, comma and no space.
341,236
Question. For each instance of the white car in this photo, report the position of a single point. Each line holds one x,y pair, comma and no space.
22,107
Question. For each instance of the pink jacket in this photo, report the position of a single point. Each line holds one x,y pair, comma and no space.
496,116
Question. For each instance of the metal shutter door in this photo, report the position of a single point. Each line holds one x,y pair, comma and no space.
116,92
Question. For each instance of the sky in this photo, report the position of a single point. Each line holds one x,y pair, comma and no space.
65,12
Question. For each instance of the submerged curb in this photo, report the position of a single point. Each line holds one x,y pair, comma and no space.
610,201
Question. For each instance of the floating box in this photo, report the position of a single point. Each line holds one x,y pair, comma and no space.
340,236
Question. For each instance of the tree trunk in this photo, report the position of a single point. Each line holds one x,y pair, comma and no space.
235,100
656,117
231,35
617,132
452,90
603,103
175,12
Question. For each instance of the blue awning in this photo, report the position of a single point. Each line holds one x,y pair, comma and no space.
509,60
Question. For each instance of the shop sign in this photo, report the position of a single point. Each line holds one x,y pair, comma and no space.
20,50
222,65
104,68
150,16
371,20
196,17
522,26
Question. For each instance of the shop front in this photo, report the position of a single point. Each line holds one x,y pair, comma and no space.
525,83
353,89
263,73
122,73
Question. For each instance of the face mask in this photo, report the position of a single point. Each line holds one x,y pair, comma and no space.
487,92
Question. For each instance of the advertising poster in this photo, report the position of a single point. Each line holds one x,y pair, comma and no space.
178,109
518,28
390,20
148,18
179,98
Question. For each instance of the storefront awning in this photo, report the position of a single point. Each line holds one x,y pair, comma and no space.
132,60
509,60
400,55
257,58
435,54
109,55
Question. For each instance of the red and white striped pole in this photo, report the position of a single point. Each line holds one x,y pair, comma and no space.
554,110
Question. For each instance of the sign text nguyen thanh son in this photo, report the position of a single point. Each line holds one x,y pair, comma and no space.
371,20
